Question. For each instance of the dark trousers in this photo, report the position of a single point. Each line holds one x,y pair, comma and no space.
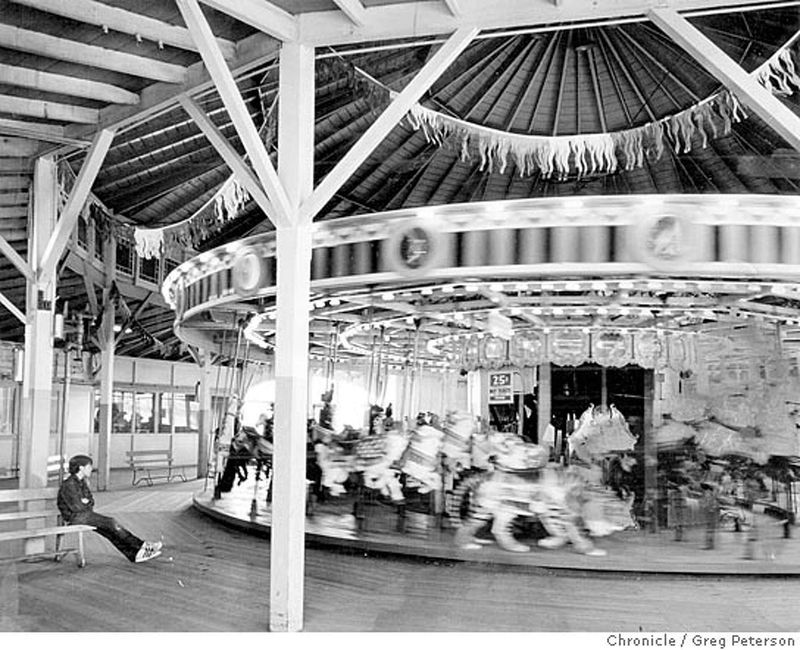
126,542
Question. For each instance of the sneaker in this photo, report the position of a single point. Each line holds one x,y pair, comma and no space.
146,553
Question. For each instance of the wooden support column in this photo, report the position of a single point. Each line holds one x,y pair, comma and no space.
107,339
296,173
204,399
545,400
38,368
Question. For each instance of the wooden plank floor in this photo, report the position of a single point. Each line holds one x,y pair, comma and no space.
212,578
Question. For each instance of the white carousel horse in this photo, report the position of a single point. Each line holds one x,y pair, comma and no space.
519,485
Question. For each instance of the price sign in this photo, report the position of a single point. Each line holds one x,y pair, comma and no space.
501,390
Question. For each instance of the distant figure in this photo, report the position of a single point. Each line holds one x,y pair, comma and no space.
76,504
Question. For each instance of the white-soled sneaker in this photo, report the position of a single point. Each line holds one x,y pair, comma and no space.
146,553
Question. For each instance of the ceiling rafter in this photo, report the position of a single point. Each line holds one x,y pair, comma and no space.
25,40
747,88
127,22
264,16
524,46
237,109
354,10
562,81
417,19
629,77
48,110
65,85
527,84
37,131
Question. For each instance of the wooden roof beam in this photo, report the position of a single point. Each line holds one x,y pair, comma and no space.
387,120
36,131
127,22
453,7
264,16
16,259
229,92
251,51
17,147
77,197
48,110
64,85
40,44
354,10
768,107
427,18
8,304
224,148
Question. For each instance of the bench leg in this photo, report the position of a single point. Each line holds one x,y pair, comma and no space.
81,556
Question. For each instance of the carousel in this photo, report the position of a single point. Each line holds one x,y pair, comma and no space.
597,346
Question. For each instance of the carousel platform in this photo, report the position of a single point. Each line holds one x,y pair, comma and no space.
332,524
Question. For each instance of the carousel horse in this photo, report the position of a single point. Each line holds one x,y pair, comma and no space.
520,485
602,433
421,458
247,444
335,457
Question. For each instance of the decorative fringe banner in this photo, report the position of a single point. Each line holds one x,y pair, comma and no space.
554,156
229,199
780,76
582,154
603,153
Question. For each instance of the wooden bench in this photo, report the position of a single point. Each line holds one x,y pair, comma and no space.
36,524
152,464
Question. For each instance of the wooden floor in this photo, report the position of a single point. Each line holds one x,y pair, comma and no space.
215,579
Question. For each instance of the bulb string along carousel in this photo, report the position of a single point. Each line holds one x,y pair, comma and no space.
559,369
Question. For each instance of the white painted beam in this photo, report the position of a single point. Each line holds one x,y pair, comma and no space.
48,110
16,259
12,308
453,7
37,131
14,38
224,148
428,18
64,85
387,120
240,116
17,147
296,171
354,10
77,197
251,52
768,107
127,22
262,15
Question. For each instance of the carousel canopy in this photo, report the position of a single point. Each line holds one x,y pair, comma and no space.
548,103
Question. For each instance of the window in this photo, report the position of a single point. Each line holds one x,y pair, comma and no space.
165,413
187,414
124,257
83,233
99,247
169,265
6,410
144,412
148,269
122,412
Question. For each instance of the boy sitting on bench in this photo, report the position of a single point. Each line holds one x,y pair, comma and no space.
76,504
